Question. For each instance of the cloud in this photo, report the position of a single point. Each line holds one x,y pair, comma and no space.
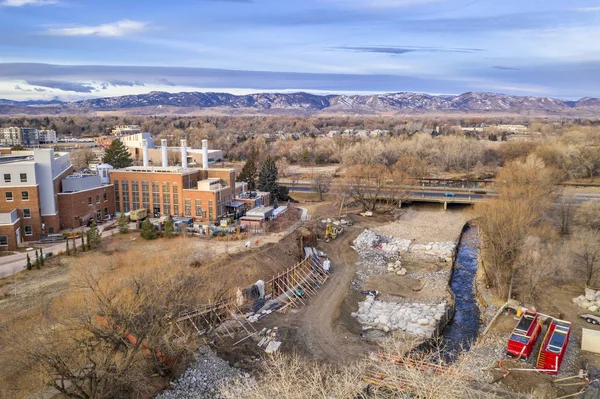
587,9
385,3
62,85
505,68
119,28
127,83
21,3
407,49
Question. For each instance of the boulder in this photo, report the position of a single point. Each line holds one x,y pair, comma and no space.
401,272
423,322
593,308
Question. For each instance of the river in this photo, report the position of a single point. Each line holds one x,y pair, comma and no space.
462,330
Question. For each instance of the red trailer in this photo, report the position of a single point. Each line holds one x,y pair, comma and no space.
554,346
525,334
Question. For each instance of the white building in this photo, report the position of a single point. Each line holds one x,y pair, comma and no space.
47,136
136,140
123,130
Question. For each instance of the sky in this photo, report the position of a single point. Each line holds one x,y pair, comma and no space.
77,49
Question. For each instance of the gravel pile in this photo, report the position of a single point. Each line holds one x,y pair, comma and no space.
377,255
203,378
484,356
416,319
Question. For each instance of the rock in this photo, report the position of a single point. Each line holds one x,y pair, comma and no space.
401,272
593,308
423,322
589,293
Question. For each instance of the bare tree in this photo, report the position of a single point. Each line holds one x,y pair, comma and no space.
566,209
588,215
376,185
174,157
81,158
586,255
322,184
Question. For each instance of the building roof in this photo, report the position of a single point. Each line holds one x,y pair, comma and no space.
259,211
157,169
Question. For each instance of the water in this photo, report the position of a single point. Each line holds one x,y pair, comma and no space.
462,330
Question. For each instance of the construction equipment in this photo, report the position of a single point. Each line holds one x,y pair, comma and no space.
367,214
331,232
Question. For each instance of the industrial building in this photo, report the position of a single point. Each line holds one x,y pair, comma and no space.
204,194
40,195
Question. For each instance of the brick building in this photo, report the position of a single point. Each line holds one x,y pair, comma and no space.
33,199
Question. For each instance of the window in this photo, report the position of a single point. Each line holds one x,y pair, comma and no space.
166,198
105,197
51,230
9,196
155,195
89,200
117,197
145,196
26,213
98,199
98,215
23,177
126,204
7,178
188,207
25,195
210,211
28,230
175,199
135,194
105,211
199,208
3,241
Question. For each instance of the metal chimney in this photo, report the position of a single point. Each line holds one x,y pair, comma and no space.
204,154
165,153
145,152
184,163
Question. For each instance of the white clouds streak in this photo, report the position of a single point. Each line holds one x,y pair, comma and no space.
21,3
115,29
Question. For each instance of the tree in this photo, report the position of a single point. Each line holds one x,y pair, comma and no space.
68,251
81,158
74,247
123,224
376,185
93,235
267,178
83,247
169,230
29,266
249,171
588,215
586,255
147,231
117,155
41,257
17,147
37,260
322,184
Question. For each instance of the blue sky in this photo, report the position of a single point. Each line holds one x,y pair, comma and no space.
72,49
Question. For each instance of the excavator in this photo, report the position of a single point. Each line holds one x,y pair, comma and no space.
331,232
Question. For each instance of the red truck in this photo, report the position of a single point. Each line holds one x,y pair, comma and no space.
525,334
554,346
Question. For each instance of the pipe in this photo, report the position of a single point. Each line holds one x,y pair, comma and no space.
204,154
184,160
165,153
145,152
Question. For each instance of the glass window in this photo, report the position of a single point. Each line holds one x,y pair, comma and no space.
98,215
210,211
23,177
145,196
105,211
98,199
28,230
199,208
155,195
188,207
3,241
117,197
166,198
7,179
175,199
126,204
25,195
105,197
135,194
9,195
26,213
89,200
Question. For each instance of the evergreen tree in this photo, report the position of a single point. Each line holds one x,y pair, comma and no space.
123,224
29,266
249,171
41,257
267,178
169,231
68,249
117,155
93,235
89,243
147,231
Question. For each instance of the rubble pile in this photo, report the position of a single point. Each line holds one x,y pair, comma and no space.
204,378
443,250
589,301
416,319
378,254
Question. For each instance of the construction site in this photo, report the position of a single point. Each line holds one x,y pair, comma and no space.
398,294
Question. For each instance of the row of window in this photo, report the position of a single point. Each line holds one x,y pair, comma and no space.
8,177
97,199
9,196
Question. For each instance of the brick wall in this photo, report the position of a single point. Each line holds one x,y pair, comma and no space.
33,204
10,232
73,207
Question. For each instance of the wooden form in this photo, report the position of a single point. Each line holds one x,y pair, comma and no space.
423,366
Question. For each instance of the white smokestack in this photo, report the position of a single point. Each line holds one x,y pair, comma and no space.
184,164
165,153
145,151
204,154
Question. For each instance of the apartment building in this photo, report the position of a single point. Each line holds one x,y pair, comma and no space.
39,195
207,195
124,130
47,136
12,136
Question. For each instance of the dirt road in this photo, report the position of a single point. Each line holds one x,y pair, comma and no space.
320,328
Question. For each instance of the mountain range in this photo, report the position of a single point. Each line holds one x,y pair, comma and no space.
306,104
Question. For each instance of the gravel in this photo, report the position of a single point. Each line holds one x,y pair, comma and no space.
484,356
203,378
